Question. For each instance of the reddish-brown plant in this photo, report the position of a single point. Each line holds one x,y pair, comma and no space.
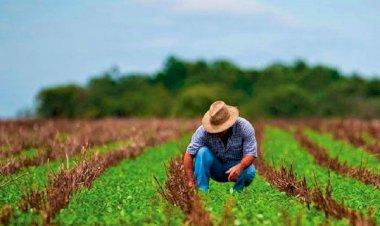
353,131
5,214
179,194
57,139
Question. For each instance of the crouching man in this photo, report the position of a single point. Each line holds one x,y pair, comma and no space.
224,149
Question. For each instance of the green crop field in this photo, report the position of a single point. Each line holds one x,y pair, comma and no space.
130,172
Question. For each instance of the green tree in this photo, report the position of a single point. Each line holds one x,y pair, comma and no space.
195,100
184,88
61,101
174,74
288,101
373,88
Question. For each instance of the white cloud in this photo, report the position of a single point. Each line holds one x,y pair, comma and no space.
220,6
236,7
229,7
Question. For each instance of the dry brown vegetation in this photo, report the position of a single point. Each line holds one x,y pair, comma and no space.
61,138
353,131
176,192
5,214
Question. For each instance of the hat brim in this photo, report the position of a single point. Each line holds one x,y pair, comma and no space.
210,128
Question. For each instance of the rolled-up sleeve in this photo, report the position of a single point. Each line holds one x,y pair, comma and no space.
249,142
197,141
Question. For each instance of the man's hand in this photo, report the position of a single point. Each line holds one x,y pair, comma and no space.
234,172
191,184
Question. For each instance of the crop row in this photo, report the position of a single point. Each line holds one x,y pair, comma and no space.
344,152
127,193
17,136
361,134
322,157
282,148
36,176
61,186
336,155
12,187
61,139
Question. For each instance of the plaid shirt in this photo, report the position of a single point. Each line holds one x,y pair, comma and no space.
241,142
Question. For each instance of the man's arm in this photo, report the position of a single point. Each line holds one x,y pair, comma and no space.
197,141
189,169
235,171
246,161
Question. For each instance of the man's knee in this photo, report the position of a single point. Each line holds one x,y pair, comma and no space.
204,156
204,152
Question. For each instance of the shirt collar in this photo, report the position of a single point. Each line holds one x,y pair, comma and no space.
232,130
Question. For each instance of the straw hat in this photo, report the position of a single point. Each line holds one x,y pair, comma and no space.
219,117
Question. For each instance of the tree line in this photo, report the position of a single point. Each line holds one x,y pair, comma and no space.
187,88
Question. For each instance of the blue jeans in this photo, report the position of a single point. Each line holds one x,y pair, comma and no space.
207,165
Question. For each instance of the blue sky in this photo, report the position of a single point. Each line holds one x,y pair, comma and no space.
45,43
